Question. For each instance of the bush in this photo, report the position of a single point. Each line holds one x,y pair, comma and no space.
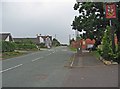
0,46
25,46
7,46
106,49
107,45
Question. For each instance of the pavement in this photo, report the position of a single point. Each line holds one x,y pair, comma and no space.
87,71
47,69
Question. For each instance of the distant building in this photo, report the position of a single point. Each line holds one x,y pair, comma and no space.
42,39
37,40
88,43
6,37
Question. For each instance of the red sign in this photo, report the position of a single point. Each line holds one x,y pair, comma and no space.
110,10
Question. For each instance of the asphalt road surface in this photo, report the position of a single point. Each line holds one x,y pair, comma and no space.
46,69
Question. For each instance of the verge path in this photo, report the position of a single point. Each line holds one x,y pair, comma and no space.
87,71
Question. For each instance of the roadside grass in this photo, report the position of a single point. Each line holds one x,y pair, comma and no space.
35,49
16,53
72,49
6,55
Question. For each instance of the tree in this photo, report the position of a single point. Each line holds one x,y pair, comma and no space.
90,20
107,45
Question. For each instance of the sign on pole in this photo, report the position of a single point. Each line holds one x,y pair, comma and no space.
110,10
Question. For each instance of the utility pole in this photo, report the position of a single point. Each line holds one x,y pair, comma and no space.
112,36
69,39
55,36
78,39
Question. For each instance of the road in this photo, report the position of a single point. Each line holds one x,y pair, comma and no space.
39,69
46,69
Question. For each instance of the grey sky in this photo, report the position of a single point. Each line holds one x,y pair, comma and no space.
26,18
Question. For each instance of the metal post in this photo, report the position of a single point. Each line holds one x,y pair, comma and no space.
69,39
79,49
112,36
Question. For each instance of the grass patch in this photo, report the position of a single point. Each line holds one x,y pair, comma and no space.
7,55
72,49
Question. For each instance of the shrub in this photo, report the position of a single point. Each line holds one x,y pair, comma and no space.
8,46
22,46
106,49
106,45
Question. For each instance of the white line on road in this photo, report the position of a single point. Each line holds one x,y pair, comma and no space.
37,59
11,68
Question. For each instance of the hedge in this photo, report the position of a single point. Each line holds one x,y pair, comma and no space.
7,46
25,46
11,46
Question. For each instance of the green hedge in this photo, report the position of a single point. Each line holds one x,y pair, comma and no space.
7,46
25,46
11,46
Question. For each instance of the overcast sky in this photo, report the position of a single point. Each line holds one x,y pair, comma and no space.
26,18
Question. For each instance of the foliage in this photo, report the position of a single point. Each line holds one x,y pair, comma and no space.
72,49
25,46
7,46
41,45
11,46
92,20
11,54
106,51
0,46
106,45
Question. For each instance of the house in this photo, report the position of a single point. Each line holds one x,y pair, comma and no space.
88,43
43,38
6,37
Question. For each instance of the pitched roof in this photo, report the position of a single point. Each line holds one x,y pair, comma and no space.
5,35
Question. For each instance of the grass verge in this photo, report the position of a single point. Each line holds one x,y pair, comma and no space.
7,55
72,49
